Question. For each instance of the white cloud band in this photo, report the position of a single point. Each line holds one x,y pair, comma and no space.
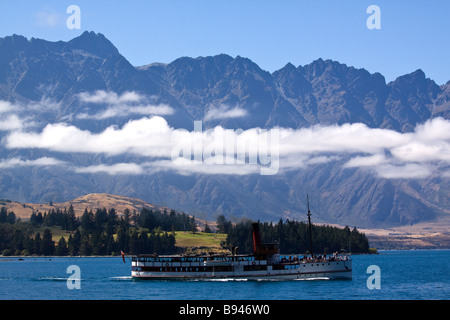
17,162
128,103
389,153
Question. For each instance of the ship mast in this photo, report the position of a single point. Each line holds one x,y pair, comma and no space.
309,225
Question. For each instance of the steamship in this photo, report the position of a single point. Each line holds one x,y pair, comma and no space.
265,262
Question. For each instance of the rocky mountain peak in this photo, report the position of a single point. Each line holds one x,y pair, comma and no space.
95,43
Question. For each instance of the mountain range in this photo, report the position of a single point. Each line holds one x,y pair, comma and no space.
87,86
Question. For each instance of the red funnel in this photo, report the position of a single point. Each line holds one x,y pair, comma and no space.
256,236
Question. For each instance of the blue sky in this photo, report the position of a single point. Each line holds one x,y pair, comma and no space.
413,34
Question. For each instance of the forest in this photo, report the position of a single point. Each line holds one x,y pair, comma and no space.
105,232
101,233
293,237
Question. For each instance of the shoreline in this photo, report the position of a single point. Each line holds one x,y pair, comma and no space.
6,258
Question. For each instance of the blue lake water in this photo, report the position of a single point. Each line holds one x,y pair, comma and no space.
416,275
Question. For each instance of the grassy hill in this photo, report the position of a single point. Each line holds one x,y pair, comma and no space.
190,242
89,201
199,241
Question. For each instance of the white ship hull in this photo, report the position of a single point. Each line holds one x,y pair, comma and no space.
257,270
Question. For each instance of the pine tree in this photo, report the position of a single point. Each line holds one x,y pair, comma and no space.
87,221
222,224
111,245
74,243
133,244
3,215
111,222
192,225
11,219
47,244
37,244
18,241
61,248
85,246
72,222
122,236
